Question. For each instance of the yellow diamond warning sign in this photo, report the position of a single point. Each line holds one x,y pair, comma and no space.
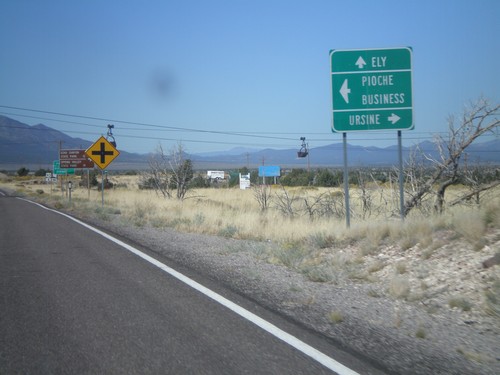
102,152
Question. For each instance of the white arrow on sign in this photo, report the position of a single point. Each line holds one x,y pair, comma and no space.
345,91
393,118
360,62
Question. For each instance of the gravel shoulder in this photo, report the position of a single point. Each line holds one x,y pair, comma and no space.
424,336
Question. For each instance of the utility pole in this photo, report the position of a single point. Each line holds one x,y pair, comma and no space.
263,177
59,153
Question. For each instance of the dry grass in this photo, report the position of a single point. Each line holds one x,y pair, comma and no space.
336,317
471,227
321,247
492,300
420,333
399,287
386,257
460,303
236,213
474,356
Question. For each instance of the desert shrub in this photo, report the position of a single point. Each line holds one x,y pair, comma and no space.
492,300
491,215
319,274
198,182
420,334
401,267
460,303
142,209
41,172
336,317
376,266
23,171
291,255
321,240
228,231
399,287
298,177
470,226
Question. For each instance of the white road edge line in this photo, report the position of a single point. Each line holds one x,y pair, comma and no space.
293,341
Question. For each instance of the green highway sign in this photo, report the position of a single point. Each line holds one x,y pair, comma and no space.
371,89
61,171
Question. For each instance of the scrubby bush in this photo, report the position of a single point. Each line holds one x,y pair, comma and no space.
23,171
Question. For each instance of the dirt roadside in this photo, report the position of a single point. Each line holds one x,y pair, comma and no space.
423,335
402,336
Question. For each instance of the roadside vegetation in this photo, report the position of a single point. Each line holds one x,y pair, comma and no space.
443,255
303,228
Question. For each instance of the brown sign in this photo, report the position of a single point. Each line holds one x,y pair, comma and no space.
74,159
78,164
72,154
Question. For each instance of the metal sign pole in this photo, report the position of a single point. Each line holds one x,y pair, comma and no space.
70,187
102,187
88,184
346,184
401,178
102,153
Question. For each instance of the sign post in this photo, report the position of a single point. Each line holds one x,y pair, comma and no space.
102,152
372,90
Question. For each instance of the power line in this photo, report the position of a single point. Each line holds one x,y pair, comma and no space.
176,128
169,128
320,140
265,135
156,127
144,137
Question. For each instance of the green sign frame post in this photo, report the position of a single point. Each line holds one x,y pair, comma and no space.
372,90
58,171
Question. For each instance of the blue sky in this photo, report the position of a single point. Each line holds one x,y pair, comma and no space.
200,70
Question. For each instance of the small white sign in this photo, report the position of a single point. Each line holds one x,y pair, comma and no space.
215,175
244,181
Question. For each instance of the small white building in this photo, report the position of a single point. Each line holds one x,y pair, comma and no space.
215,175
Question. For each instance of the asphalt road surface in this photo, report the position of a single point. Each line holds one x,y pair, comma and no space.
73,301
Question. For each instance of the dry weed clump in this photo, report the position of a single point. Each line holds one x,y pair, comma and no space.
474,355
470,226
420,333
336,317
460,302
492,300
376,266
401,267
399,287
491,214
370,236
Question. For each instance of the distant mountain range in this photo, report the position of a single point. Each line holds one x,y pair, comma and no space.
37,146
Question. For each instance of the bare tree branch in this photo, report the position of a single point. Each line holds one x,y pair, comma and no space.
170,172
480,118
476,191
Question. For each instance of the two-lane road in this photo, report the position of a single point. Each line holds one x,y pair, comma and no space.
73,301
